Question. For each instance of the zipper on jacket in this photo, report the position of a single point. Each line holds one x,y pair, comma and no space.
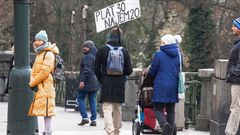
47,107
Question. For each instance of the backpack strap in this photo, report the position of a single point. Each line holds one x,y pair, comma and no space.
45,54
112,48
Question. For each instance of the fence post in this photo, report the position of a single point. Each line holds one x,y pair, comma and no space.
203,119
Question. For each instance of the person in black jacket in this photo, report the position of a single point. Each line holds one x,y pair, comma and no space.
112,86
233,77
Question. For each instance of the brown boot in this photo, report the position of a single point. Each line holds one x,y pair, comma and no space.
83,122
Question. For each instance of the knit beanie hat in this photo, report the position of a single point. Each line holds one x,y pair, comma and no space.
236,22
115,34
89,44
42,35
170,39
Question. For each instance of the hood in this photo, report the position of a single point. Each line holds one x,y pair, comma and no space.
115,35
171,50
93,51
53,48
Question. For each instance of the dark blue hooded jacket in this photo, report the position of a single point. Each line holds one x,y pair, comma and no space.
165,69
87,74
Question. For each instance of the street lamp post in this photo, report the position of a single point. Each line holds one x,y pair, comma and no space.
83,27
84,17
72,48
20,95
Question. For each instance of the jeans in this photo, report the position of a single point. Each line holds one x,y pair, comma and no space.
92,102
234,118
160,113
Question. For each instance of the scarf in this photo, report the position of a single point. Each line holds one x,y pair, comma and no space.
41,48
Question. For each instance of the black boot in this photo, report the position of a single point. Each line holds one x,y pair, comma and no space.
93,123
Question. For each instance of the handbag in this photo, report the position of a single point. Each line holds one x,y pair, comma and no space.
181,81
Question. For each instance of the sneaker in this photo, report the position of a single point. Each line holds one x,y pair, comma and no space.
167,129
93,123
83,122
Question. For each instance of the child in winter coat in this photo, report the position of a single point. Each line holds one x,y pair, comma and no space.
41,79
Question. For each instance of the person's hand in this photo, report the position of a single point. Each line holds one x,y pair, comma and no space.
145,73
35,89
81,85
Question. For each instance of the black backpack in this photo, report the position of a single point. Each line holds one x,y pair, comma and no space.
58,74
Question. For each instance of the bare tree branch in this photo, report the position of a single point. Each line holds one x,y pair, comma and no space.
238,4
142,24
224,6
154,16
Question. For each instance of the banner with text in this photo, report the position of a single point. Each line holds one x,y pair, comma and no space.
117,13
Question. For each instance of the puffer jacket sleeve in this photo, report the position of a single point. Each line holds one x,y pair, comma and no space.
45,69
88,66
154,66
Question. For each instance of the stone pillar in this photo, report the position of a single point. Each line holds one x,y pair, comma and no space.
131,89
203,119
221,99
179,114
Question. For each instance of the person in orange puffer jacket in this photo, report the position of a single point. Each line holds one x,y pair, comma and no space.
41,78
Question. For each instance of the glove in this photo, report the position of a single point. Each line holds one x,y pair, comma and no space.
34,89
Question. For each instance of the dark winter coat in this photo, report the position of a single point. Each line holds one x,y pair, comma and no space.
233,67
112,87
87,74
165,69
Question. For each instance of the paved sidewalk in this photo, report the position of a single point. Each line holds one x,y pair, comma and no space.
65,123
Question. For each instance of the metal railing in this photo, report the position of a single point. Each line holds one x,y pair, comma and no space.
191,104
60,93
192,98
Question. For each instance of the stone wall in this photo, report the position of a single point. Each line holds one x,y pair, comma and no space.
5,57
221,99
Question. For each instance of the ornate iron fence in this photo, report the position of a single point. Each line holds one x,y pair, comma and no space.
60,93
192,98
